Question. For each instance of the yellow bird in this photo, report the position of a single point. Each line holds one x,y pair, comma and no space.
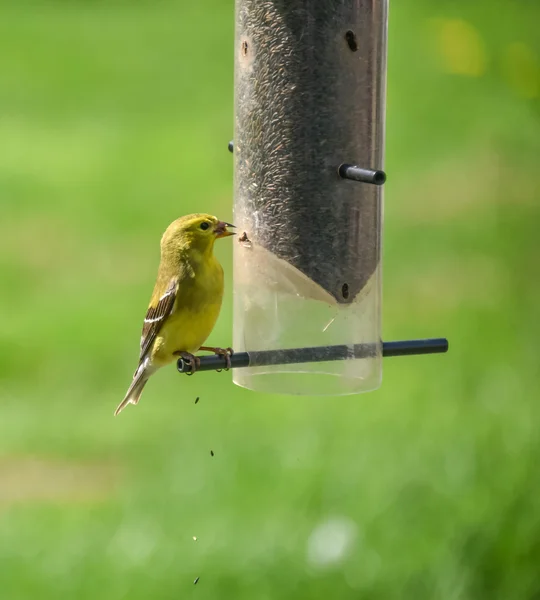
186,300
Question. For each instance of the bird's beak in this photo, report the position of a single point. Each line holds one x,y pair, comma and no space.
221,229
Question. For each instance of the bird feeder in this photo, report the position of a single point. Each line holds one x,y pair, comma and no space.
308,148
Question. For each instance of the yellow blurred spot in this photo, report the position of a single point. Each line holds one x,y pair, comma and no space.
194,538
460,47
521,70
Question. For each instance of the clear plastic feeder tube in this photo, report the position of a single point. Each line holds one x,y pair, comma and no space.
309,97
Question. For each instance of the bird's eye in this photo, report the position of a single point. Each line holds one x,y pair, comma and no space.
205,226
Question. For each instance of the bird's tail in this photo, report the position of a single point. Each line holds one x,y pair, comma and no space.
135,389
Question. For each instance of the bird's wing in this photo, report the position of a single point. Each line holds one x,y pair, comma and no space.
158,311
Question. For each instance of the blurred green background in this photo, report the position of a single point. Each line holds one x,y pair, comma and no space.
428,488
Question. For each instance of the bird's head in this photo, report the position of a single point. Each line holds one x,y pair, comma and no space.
194,232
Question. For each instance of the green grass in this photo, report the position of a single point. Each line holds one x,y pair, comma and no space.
108,115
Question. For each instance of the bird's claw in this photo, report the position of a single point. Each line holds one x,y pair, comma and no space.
191,360
226,353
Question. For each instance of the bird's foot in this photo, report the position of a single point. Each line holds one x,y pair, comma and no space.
190,359
225,352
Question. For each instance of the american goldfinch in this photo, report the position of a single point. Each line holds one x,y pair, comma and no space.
186,300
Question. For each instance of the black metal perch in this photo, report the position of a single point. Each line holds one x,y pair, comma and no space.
261,358
375,176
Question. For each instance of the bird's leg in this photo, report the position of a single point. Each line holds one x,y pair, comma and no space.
191,359
225,352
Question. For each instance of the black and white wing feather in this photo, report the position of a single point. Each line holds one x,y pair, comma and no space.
156,315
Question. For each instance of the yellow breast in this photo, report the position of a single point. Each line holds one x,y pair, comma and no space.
194,314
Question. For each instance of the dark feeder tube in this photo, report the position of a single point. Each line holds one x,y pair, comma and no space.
309,96
289,356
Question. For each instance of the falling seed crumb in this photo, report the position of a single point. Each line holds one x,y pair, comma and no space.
196,581
211,453
244,240
196,399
